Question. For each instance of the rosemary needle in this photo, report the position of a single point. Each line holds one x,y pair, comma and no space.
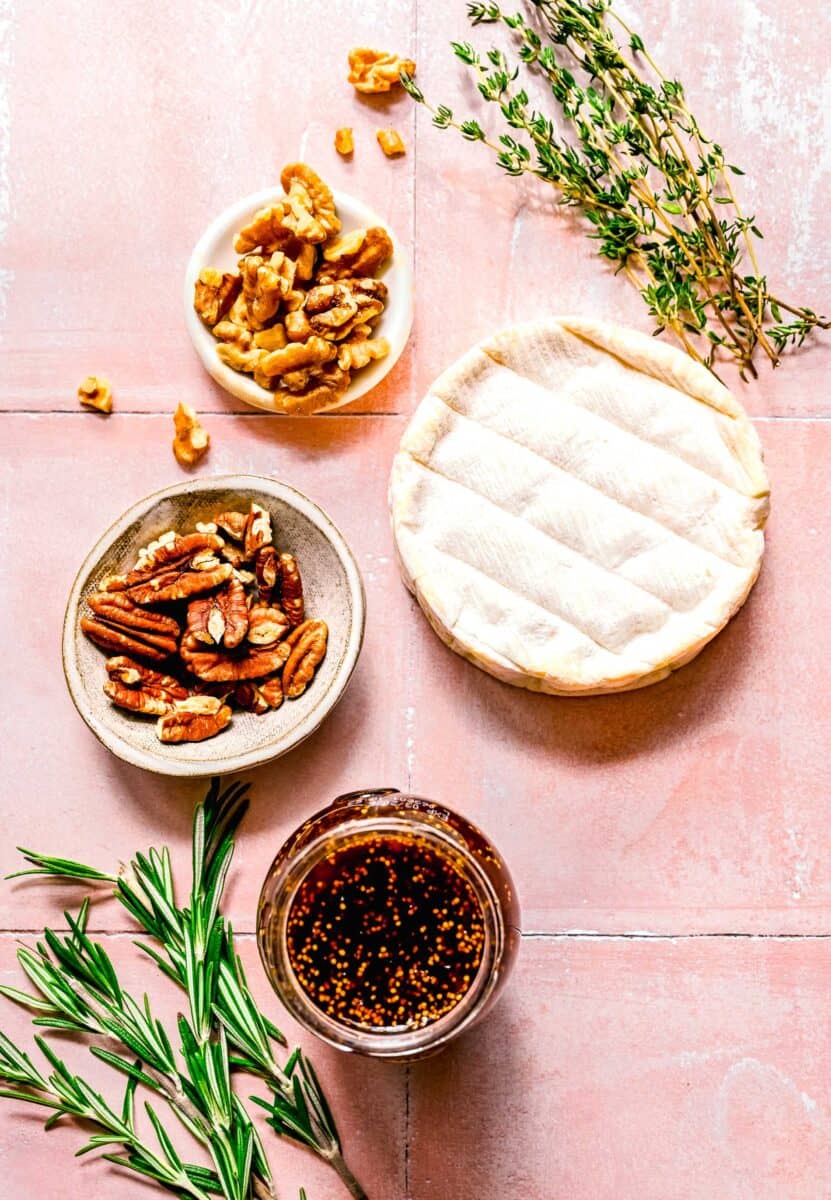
223,1031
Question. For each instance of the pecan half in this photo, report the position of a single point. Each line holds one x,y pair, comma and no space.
232,554
121,625
267,625
167,554
229,666
221,619
308,646
181,584
194,720
266,571
140,689
291,589
119,609
185,567
259,697
232,524
257,531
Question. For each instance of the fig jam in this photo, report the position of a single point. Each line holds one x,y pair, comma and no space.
384,932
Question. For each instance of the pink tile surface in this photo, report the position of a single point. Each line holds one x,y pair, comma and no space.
750,69
374,1093
616,1068
173,119
656,1070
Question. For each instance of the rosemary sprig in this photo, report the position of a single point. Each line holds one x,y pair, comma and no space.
625,149
77,989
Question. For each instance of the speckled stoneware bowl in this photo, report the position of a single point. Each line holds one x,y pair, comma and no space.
333,591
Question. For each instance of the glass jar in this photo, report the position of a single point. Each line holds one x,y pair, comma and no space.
388,924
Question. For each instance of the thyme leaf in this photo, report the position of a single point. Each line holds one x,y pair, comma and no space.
621,144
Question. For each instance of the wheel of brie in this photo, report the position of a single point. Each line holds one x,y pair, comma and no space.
578,508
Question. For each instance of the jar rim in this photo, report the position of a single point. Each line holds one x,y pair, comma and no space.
273,946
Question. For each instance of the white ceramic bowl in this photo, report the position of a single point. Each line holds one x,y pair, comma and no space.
216,249
333,590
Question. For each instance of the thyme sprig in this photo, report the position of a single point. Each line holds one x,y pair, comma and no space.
77,989
625,149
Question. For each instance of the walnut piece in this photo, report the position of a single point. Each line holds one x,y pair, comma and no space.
221,619
264,284
330,308
193,720
191,441
214,293
238,359
344,142
236,335
296,355
271,339
323,388
391,142
133,686
266,230
361,252
297,326
305,261
335,310
308,647
358,352
96,393
372,71
310,207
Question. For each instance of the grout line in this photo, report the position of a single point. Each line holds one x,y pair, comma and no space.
206,413
587,935
563,935
807,419
407,1082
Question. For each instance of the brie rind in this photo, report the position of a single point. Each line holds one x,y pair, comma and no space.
577,507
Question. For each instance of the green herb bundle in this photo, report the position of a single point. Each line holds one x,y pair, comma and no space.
77,989
621,144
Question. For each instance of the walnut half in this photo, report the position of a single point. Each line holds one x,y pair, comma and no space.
372,71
